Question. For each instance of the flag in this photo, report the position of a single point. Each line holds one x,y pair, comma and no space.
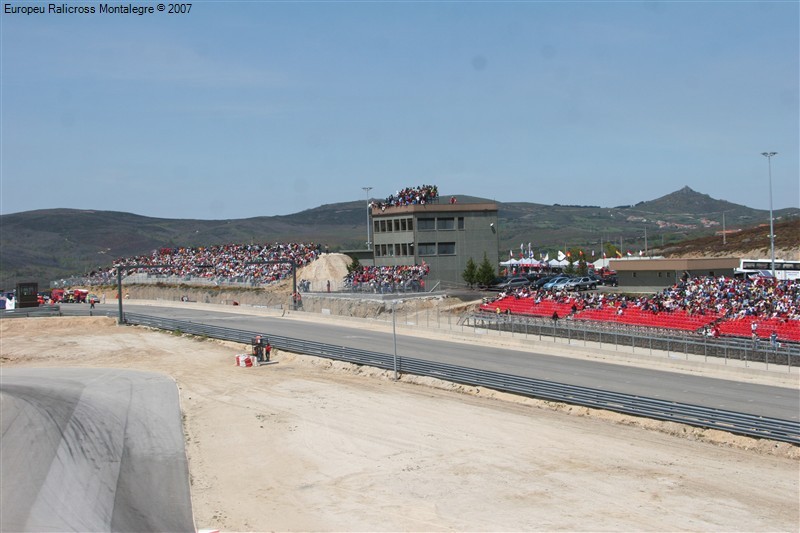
511,254
619,254
604,255
546,257
628,253
641,253
561,255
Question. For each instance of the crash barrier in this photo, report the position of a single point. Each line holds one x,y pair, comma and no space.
25,312
370,287
738,423
633,338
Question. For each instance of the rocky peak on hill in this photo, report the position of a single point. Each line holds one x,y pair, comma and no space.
688,201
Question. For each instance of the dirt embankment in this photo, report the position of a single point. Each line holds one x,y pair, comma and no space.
309,444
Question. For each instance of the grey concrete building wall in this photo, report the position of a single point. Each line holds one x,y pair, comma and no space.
666,272
443,236
665,278
647,279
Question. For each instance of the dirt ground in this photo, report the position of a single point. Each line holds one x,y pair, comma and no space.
307,444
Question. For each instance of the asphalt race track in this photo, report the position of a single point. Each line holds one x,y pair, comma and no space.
740,396
92,450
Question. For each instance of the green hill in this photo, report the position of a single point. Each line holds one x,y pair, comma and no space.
45,245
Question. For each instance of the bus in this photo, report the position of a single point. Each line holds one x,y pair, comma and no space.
784,270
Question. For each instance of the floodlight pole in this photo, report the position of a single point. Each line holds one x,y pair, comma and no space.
121,318
394,335
369,242
769,156
119,294
645,240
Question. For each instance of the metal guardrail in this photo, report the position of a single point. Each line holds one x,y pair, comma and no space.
729,421
26,312
633,337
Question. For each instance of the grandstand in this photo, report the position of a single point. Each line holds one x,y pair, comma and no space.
725,306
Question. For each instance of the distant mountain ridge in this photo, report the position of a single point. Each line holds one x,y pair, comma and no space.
45,245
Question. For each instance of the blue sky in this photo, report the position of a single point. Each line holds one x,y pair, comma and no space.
243,109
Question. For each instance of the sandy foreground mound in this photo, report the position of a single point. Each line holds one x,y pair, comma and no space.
313,445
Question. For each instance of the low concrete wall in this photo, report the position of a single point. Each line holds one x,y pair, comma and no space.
210,295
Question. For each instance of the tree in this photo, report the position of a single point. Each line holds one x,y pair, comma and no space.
470,273
486,272
611,251
570,268
354,266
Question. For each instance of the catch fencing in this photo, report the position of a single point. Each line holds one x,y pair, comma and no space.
641,339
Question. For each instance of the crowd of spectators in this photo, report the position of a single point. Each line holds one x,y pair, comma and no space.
243,262
723,297
387,278
422,195
732,298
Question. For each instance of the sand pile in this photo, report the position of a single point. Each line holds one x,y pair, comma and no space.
328,267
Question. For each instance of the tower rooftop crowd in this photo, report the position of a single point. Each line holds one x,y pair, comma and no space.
424,194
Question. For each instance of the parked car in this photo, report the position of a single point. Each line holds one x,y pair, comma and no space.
611,281
539,283
582,283
513,283
555,282
561,284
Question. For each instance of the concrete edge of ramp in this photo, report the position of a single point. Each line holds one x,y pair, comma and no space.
92,450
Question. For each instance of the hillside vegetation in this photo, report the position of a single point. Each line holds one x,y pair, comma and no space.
752,242
46,245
